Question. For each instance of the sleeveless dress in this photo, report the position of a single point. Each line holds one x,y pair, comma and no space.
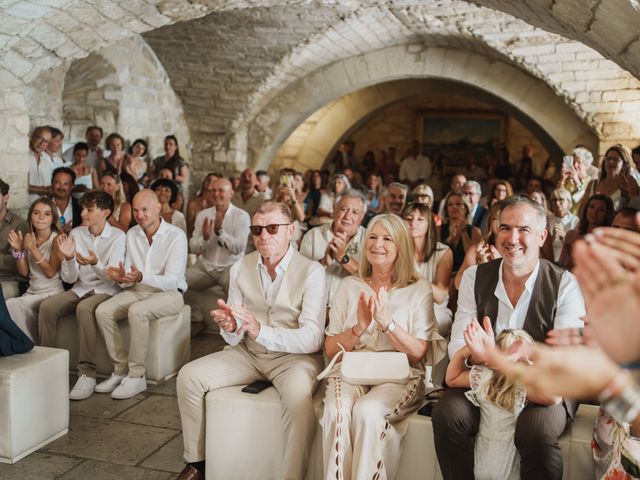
427,270
496,455
85,180
24,309
457,249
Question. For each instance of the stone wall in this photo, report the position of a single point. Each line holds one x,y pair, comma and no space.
396,126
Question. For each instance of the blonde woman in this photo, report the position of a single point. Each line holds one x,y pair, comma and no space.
122,212
500,402
386,307
38,258
485,250
455,230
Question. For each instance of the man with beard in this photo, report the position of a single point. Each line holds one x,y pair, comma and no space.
518,291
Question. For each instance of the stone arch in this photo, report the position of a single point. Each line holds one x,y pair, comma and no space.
285,112
91,95
315,140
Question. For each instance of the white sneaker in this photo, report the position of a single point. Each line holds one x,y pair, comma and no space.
83,388
129,387
109,384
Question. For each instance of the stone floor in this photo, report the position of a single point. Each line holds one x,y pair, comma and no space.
137,439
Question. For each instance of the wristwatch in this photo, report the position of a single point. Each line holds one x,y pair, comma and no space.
391,327
344,260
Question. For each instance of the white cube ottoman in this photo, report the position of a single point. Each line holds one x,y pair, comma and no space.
169,345
238,422
34,401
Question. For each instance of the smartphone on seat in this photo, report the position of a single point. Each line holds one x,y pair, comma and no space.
257,386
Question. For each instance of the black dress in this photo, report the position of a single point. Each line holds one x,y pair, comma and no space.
458,249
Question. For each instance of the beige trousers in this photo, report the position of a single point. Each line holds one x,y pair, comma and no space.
363,427
293,375
54,308
199,277
139,304
24,312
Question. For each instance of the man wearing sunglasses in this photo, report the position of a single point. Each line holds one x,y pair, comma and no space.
40,164
274,320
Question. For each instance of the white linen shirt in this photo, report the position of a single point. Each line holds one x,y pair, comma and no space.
109,247
163,263
223,250
569,312
310,334
39,173
414,168
314,245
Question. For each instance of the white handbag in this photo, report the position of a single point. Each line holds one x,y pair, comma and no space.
370,368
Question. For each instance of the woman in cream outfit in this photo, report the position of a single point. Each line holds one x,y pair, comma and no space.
37,257
387,307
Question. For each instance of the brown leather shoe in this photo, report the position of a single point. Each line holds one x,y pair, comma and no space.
190,473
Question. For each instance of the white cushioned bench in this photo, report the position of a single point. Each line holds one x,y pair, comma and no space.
34,401
169,345
237,423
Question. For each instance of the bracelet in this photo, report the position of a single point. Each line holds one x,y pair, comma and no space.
621,398
353,332
18,254
40,261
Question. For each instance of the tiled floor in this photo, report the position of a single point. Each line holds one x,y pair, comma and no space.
137,439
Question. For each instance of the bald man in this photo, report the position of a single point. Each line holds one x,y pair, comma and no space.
152,278
219,239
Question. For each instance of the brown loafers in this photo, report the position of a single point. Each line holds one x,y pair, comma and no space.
190,473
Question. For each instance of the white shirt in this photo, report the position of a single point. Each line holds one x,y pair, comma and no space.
162,263
570,306
178,220
109,247
305,339
222,250
568,222
314,245
39,173
67,214
414,168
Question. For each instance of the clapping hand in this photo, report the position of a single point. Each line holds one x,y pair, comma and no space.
381,311
223,317
207,228
249,322
364,312
479,340
90,259
29,242
66,245
16,240
118,274
338,245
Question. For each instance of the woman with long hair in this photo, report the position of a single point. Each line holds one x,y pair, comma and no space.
173,161
455,230
615,180
386,307
38,258
122,212
598,212
485,250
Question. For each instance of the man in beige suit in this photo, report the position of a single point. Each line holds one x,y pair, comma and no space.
275,306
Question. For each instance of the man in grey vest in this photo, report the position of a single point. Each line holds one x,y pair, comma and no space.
274,320
518,291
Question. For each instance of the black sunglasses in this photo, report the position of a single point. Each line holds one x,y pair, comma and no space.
272,229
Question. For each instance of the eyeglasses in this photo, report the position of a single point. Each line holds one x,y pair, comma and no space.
272,229
39,139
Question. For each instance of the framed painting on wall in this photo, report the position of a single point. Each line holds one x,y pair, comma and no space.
458,133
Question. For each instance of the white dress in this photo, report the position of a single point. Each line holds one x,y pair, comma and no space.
24,309
428,270
496,456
